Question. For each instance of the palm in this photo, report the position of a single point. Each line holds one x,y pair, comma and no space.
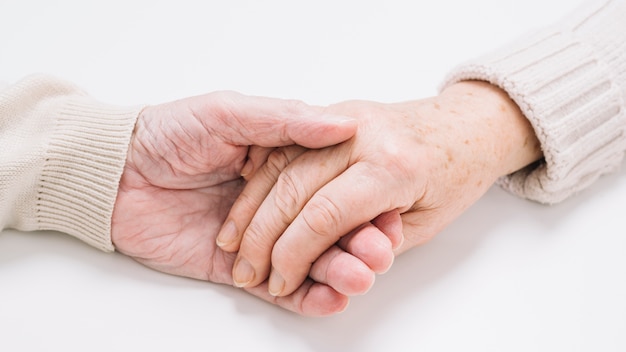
174,230
174,196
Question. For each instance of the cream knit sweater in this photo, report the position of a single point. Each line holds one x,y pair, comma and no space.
62,153
61,158
570,81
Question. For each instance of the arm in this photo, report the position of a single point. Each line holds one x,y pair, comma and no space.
569,81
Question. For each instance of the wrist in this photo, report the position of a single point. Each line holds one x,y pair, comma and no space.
503,134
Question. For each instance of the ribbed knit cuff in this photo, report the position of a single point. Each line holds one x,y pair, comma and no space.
84,162
570,98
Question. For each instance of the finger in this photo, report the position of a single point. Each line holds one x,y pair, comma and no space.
356,196
250,199
350,266
370,245
390,223
278,209
310,299
343,272
257,156
269,122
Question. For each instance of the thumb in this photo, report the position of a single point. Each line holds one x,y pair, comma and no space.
271,122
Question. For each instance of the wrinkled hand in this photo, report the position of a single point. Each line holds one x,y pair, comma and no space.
183,173
428,159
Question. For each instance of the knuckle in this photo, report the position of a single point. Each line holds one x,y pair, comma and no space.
289,260
393,157
289,195
323,217
246,204
220,100
257,239
295,105
277,161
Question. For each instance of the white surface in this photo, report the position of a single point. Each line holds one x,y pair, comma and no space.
509,275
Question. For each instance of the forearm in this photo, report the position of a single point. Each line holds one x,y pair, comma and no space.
569,82
61,159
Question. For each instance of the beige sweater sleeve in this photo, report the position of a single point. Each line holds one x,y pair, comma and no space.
570,82
61,158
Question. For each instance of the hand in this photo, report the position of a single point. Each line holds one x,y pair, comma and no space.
183,173
428,159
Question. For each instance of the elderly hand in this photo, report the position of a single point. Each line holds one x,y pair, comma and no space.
183,172
428,159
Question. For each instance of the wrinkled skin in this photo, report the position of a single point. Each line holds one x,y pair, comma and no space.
183,173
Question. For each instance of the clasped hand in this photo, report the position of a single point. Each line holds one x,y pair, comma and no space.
326,199
428,160
183,173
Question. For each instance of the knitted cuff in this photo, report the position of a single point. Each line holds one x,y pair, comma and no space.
573,104
83,165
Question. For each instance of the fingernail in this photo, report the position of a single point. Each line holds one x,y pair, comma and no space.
243,273
276,284
247,169
227,235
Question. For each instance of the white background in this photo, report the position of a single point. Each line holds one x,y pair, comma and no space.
509,275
